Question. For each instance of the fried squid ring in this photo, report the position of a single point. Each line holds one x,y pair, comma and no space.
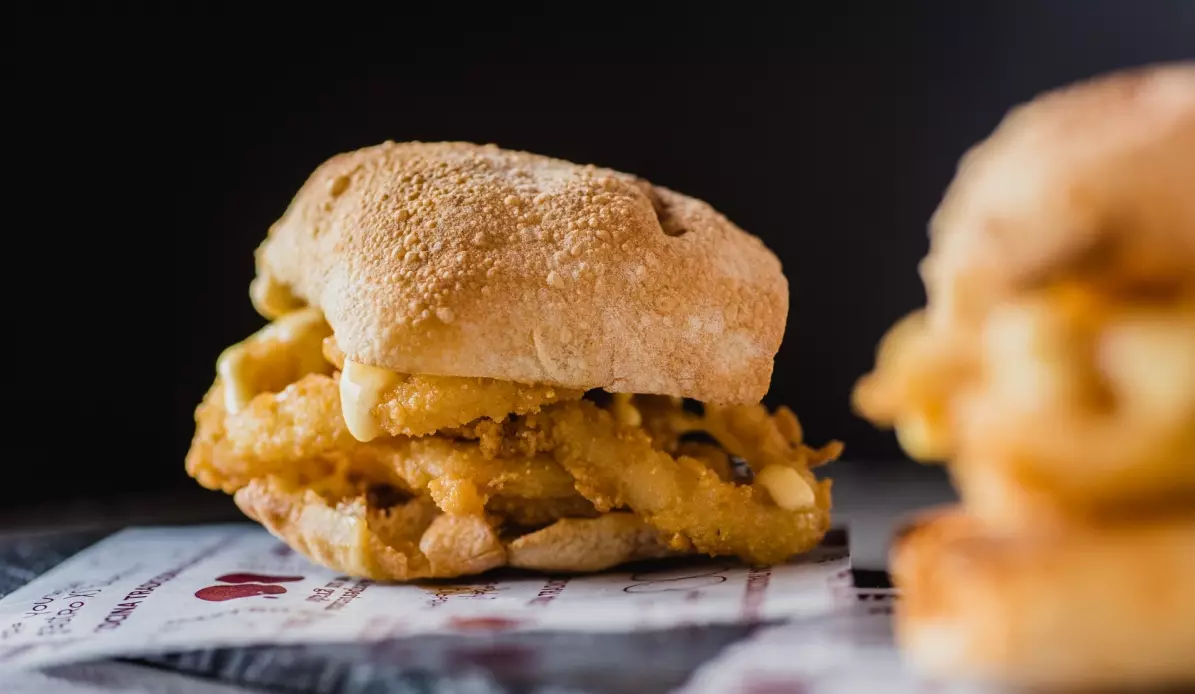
616,466
1086,398
419,404
298,436
743,431
553,474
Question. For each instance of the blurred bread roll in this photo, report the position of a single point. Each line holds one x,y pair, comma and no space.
1090,181
1111,607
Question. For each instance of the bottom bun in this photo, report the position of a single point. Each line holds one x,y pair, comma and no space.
1082,608
411,539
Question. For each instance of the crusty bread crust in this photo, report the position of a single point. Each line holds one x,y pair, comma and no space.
464,260
1084,608
1096,176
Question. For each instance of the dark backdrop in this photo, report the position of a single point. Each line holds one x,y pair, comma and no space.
157,157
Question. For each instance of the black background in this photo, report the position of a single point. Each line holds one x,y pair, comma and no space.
152,150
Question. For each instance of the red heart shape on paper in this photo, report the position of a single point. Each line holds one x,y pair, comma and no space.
232,592
257,578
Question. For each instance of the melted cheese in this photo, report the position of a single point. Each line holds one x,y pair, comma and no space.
233,369
786,487
362,388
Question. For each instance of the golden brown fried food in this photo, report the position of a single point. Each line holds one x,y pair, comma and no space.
521,513
713,457
414,405
419,462
687,498
1103,608
425,404
537,464
297,435
749,432
272,358
616,466
745,431
995,494
1087,398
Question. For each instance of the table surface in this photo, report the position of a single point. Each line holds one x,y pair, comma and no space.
869,499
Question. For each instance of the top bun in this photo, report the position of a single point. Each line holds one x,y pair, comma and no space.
462,260
1095,178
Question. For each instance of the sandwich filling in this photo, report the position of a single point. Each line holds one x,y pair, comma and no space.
406,476
1082,385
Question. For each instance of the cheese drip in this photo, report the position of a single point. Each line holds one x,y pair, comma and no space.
362,388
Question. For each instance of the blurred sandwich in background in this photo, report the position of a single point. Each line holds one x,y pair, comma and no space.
1053,368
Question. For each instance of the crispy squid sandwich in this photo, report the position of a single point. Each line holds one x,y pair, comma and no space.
1054,363
1053,370
482,358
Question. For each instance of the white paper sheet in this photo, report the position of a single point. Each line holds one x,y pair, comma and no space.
846,652
174,588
